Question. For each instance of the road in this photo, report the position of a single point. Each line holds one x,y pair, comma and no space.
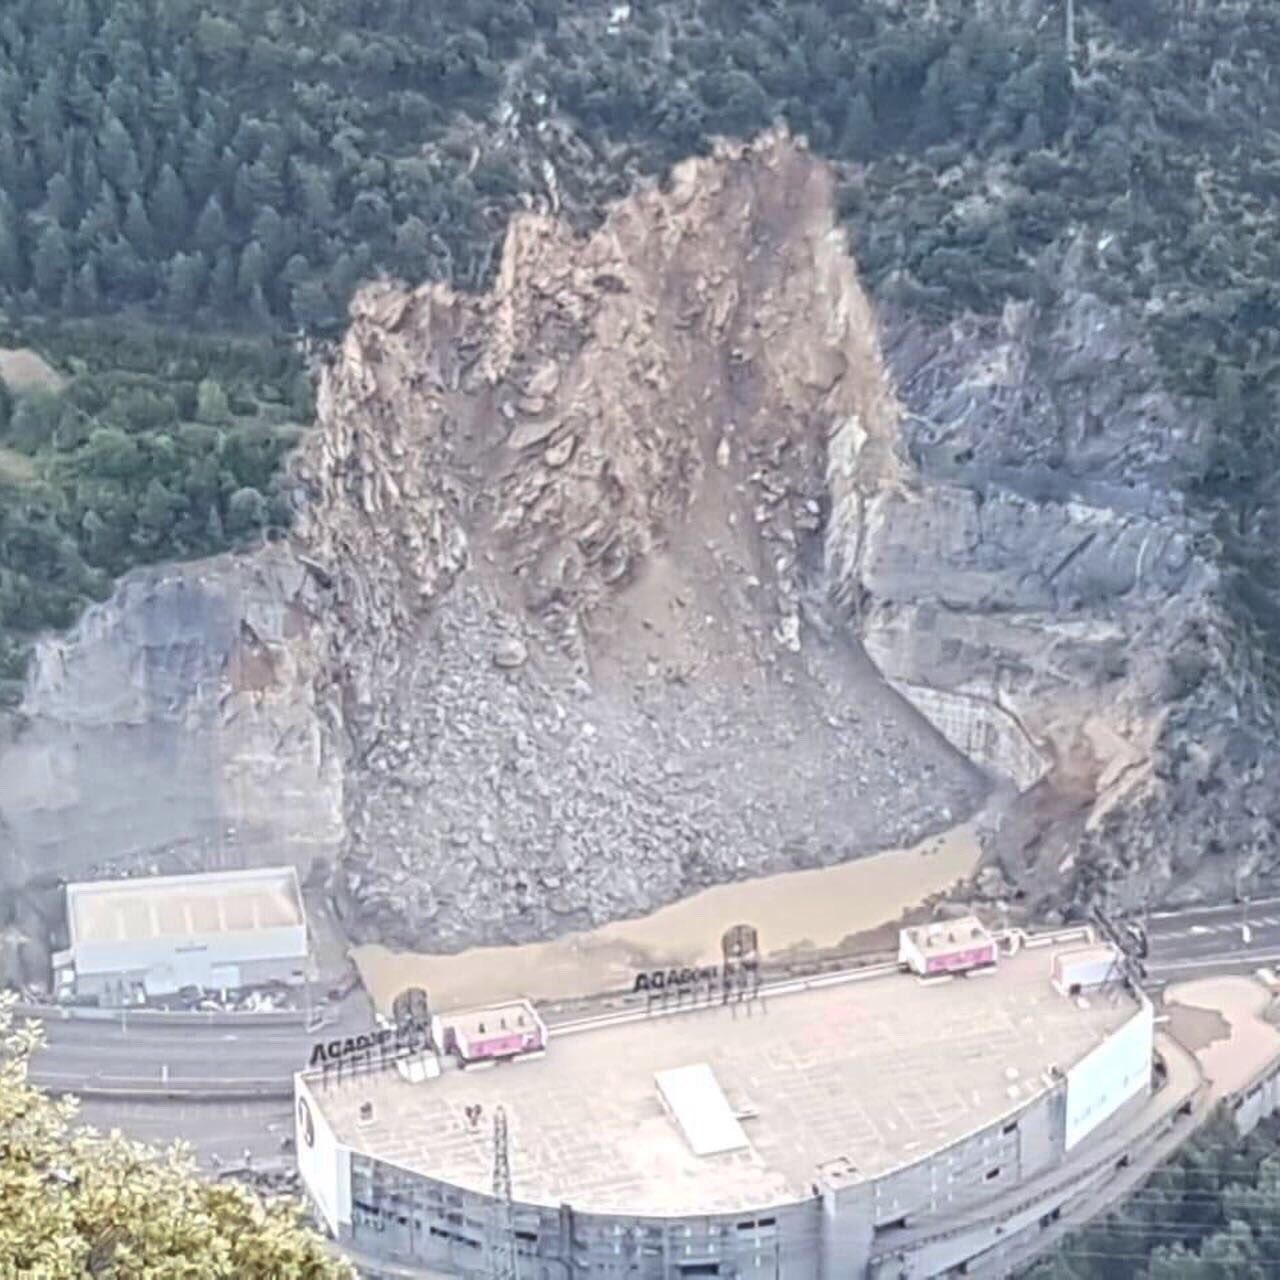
83,1056
1201,941
219,1132
105,1054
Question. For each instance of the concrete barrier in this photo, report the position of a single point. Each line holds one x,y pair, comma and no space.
170,1091
169,1017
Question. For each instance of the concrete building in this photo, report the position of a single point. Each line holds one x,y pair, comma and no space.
486,1035
845,1127
153,936
948,946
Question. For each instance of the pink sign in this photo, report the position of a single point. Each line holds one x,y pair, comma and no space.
501,1045
953,961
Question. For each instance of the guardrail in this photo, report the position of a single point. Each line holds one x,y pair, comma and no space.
785,986
183,1090
175,1017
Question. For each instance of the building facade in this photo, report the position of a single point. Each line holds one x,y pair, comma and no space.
155,936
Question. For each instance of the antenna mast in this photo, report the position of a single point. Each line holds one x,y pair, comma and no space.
503,1263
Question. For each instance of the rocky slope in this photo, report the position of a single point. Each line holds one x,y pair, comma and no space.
580,604
1049,562
573,616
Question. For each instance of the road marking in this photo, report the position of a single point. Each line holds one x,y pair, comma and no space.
1218,961
1269,920
1197,929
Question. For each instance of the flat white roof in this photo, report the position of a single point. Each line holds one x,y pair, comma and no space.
151,907
699,1107
948,935
516,1015
880,1071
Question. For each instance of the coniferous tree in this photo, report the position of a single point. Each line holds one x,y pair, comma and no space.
137,228
51,263
211,228
170,208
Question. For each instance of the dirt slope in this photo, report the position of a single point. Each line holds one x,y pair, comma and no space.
582,608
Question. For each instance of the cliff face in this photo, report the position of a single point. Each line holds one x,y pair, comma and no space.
177,721
573,617
1048,563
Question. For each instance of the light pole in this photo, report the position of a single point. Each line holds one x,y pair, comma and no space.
1246,934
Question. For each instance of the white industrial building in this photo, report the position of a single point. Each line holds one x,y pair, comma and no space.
155,936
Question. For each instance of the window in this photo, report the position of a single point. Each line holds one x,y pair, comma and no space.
456,1236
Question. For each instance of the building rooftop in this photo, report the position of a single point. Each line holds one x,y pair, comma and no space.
878,1071
946,935
514,1015
150,907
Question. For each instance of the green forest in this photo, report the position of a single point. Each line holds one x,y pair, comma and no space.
1211,1213
187,186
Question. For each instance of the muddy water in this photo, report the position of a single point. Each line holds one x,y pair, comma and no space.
798,910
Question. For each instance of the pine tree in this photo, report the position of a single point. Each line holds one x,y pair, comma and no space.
253,270
202,161
88,294
272,234
214,533
51,263
185,282
60,199
170,209
212,406
259,308
222,281
117,157
311,305
413,247
138,229
12,265
211,227
102,222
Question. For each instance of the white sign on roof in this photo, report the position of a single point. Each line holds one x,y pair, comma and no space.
697,1104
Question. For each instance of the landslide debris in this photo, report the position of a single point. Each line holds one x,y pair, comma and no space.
587,602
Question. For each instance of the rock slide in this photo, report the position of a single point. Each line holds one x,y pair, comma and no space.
576,613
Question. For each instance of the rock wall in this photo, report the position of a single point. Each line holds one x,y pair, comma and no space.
176,726
1047,560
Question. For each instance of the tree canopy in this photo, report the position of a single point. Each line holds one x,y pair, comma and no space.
1210,1213
236,165
79,1203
